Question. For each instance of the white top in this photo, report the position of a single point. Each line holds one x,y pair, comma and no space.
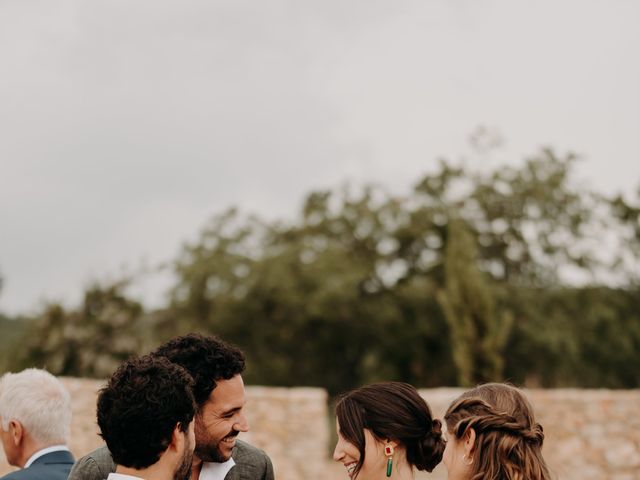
216,471
121,476
44,451
209,471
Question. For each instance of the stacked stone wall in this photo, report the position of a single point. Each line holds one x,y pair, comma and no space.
590,434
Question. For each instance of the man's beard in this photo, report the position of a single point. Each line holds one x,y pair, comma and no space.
183,472
210,452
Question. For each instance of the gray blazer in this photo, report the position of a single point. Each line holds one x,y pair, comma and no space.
52,466
251,464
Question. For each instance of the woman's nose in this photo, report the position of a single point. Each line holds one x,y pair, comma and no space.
338,453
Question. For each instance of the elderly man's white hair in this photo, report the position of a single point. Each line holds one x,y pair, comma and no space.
39,401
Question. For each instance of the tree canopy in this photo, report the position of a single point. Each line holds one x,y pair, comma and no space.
469,277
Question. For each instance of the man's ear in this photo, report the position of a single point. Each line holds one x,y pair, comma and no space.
177,439
16,432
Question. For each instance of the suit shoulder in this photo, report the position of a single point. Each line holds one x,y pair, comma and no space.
39,472
251,462
17,475
244,451
96,465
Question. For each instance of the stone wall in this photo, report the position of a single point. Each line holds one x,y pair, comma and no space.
590,434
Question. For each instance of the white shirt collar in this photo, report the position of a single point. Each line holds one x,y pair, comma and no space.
216,471
44,451
121,476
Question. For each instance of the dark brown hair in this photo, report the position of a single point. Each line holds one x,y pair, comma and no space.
508,442
393,411
207,359
141,405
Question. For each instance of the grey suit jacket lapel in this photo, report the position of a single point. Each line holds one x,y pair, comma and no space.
233,474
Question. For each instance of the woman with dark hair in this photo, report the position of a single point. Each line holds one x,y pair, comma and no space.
385,430
492,433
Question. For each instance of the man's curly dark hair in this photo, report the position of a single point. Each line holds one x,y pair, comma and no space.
208,359
141,405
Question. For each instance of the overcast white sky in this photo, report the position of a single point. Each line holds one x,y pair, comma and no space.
125,124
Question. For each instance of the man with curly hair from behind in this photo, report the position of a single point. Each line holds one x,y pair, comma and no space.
145,415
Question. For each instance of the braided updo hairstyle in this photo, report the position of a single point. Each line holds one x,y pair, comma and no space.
392,411
508,439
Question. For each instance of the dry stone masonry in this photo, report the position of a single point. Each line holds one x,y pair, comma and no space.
590,434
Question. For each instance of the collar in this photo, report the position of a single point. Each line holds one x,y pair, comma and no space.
121,476
44,451
216,471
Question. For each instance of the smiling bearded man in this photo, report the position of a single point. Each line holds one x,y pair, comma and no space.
216,368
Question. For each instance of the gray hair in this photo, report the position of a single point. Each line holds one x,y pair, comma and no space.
39,401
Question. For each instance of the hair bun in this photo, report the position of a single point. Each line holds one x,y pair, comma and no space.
436,429
430,449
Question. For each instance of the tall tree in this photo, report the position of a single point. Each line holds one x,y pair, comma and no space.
477,334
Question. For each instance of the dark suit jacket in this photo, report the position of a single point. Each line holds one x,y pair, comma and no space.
251,464
52,466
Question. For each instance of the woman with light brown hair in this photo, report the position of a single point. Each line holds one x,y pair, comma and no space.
492,434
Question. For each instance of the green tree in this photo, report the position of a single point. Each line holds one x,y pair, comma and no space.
12,330
91,340
627,260
478,334
316,301
461,279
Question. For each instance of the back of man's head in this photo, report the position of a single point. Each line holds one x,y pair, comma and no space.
40,402
140,407
207,359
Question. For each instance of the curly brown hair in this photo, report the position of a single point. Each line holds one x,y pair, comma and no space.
208,359
508,442
138,410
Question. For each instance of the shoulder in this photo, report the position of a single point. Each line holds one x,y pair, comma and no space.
40,472
248,453
58,458
17,475
248,457
50,466
97,465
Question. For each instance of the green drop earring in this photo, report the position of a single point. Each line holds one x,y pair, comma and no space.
388,451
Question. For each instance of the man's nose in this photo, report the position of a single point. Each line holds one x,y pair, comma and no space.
242,425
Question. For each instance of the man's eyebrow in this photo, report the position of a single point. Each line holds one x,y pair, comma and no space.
231,410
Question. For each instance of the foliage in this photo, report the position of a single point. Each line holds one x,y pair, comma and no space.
478,334
89,341
580,337
466,278
627,211
11,333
